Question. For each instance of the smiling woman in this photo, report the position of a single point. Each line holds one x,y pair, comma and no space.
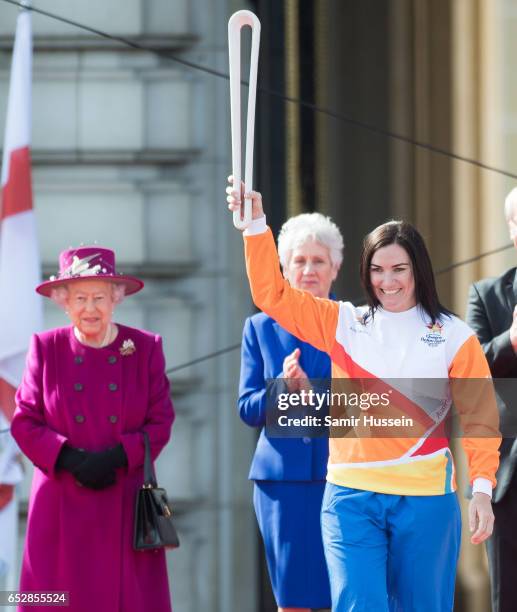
396,271
89,392
391,276
89,305
390,517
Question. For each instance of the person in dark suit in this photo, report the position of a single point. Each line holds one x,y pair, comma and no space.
492,313
289,474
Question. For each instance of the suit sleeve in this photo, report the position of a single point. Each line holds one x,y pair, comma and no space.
252,386
313,320
474,398
498,349
39,442
160,412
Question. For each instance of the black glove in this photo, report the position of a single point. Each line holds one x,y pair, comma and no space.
97,471
70,458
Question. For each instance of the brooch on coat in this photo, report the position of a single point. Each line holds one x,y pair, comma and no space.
128,347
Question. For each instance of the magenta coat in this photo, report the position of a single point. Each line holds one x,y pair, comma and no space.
80,540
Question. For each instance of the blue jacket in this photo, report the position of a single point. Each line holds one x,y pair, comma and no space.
265,345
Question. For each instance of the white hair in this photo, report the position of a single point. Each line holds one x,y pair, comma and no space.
60,294
310,226
510,204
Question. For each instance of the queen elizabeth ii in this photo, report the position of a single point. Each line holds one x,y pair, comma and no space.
89,392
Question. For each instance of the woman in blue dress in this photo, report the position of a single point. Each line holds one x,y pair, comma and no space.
289,473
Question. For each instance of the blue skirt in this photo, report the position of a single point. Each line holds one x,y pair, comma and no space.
288,515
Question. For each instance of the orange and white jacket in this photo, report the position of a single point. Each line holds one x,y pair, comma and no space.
390,346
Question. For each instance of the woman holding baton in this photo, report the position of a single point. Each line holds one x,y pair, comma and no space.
391,521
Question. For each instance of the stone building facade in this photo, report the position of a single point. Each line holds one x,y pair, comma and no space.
131,150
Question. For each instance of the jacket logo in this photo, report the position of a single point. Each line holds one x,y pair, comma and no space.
362,318
434,336
360,322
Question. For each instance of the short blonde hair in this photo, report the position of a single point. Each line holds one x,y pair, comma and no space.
60,294
310,226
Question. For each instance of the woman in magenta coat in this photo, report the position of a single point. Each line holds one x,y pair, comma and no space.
89,392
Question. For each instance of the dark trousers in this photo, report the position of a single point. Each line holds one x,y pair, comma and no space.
502,552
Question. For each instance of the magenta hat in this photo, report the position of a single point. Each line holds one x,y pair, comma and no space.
88,262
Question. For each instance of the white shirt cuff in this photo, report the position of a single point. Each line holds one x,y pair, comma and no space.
482,485
257,226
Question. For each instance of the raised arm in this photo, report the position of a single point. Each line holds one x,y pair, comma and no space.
313,320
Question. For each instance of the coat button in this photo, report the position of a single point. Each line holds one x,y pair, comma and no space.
79,418
112,359
306,440
112,387
78,386
78,359
113,418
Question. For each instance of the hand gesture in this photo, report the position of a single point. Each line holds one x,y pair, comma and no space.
95,470
295,377
235,198
98,470
481,518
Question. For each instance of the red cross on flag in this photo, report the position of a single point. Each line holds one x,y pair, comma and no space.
20,306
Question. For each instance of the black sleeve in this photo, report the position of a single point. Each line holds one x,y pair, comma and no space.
498,349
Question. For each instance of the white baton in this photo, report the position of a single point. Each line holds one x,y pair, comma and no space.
242,218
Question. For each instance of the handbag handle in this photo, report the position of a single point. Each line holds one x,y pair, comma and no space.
149,475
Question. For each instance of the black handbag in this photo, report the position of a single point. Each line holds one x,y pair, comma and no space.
153,514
